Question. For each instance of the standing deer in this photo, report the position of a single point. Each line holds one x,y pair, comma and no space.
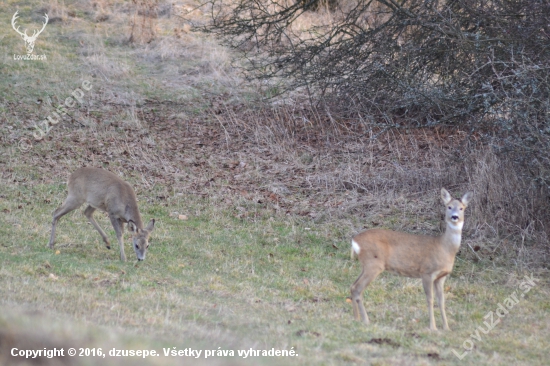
103,190
29,40
419,256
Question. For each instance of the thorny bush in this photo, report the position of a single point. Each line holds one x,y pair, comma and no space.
477,66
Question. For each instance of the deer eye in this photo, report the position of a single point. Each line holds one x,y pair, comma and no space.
461,209
137,246
449,207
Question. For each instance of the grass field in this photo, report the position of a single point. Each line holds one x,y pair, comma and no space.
215,280
251,244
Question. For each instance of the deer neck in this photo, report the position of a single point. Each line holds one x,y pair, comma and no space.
132,213
453,236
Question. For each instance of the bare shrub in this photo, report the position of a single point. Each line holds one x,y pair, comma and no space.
367,177
480,69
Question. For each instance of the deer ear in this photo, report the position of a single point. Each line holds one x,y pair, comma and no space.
445,196
132,226
466,198
150,225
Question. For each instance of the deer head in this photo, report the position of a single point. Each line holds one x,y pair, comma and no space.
29,41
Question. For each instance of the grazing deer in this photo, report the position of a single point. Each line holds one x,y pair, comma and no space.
419,256
103,190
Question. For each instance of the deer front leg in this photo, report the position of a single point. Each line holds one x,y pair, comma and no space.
438,284
119,229
427,282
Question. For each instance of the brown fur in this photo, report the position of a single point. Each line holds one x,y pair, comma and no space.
105,191
418,256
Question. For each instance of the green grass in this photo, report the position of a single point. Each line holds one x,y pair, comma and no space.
264,282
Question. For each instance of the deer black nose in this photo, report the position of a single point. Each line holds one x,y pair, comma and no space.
140,259
454,217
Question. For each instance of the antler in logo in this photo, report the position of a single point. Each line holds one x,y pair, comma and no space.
29,41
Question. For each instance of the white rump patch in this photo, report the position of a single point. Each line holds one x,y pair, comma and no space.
355,247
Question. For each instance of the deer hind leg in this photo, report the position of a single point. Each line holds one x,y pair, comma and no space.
427,282
438,285
119,229
89,212
69,205
367,276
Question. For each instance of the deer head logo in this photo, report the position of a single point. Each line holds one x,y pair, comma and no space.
29,41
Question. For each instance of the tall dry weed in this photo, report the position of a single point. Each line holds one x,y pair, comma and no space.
371,174
144,21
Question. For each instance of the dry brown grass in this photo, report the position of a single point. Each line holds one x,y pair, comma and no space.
355,175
